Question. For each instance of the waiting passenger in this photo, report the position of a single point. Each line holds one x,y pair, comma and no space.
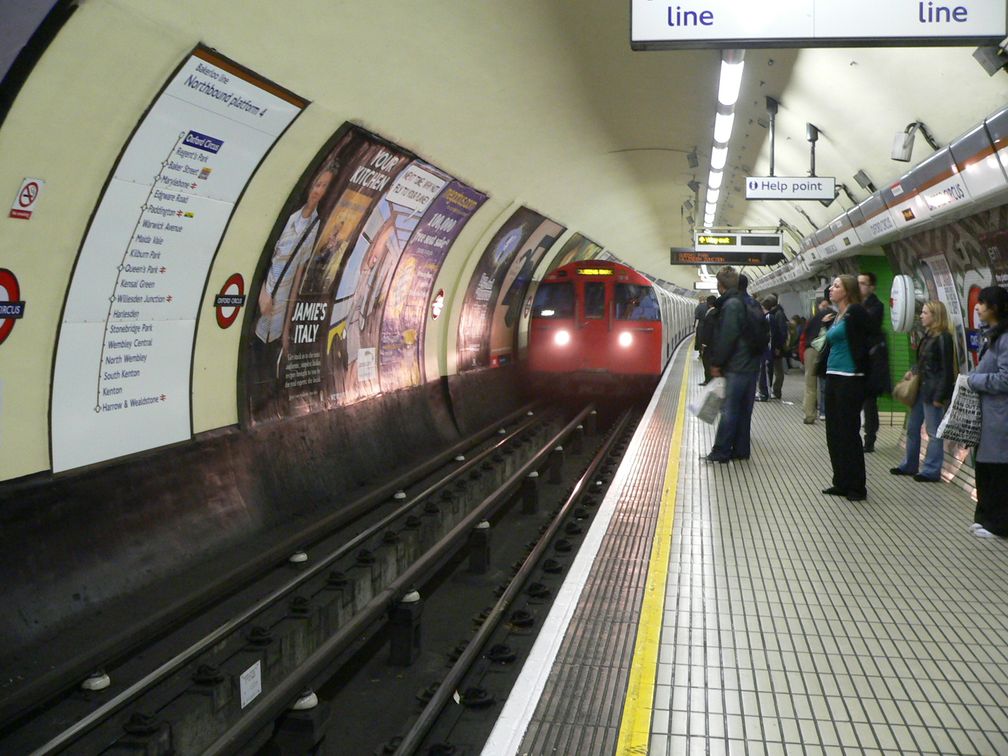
845,363
936,366
808,352
732,357
699,312
708,332
876,310
990,380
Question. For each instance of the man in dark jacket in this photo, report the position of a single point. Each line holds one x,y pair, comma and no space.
876,310
778,341
699,313
771,374
708,331
731,357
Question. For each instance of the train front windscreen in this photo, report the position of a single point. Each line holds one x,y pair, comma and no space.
554,300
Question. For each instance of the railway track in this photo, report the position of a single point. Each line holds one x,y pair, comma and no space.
243,675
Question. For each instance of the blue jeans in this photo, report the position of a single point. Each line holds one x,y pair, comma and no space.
924,412
732,438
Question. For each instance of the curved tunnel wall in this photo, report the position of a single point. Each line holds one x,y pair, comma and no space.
76,541
257,456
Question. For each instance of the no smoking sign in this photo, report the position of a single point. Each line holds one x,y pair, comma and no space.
26,199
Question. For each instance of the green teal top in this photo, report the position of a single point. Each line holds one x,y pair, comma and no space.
841,361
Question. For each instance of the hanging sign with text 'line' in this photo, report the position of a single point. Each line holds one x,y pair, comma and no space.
678,24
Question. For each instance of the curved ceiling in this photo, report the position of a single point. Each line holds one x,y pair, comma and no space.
546,104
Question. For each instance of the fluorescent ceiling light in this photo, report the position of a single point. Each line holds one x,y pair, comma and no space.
714,179
710,208
723,126
730,83
718,158
713,195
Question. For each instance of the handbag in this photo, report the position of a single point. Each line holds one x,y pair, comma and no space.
819,341
961,423
905,392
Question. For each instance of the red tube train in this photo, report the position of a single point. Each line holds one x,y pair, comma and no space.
601,326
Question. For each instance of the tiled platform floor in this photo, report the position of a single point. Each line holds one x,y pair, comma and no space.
798,623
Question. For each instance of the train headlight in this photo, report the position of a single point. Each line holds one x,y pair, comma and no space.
561,338
625,339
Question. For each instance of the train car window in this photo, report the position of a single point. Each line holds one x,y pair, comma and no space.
594,299
554,300
634,302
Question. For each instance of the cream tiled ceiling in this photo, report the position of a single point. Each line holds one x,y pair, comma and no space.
545,103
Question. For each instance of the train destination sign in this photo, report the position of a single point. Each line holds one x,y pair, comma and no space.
677,24
790,188
690,256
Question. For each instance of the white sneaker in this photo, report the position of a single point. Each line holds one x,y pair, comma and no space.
975,525
982,532
822,417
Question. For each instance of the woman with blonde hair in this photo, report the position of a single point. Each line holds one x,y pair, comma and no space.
844,362
936,368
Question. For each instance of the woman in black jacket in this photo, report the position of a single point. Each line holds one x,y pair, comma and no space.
936,366
845,364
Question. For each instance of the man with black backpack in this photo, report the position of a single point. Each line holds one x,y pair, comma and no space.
734,355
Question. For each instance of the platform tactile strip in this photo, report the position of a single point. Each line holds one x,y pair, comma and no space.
580,708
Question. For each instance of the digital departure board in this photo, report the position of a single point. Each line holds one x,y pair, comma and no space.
738,242
690,256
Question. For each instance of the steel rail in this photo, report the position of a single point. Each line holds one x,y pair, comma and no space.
413,739
95,717
270,704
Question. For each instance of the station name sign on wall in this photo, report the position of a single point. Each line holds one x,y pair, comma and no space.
676,24
121,379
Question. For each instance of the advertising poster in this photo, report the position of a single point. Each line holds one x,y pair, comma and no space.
355,323
406,303
295,344
995,246
485,286
945,291
513,289
577,247
121,378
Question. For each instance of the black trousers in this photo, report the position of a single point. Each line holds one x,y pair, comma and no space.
871,423
992,497
844,397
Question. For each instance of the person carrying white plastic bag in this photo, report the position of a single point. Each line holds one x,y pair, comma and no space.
707,405
742,337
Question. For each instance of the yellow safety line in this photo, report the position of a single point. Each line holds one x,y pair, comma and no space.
635,725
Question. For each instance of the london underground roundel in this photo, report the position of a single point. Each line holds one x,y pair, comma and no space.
11,305
230,300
